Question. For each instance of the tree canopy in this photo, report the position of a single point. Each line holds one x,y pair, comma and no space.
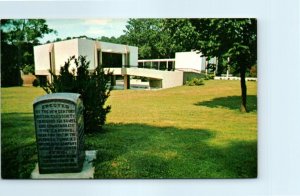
18,36
16,31
152,38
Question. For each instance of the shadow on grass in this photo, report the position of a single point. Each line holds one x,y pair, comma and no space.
16,120
18,149
135,151
142,151
231,102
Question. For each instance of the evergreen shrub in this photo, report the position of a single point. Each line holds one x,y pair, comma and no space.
195,82
93,88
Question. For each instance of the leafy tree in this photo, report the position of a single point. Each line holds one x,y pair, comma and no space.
151,36
18,36
24,30
110,39
182,34
58,39
10,71
233,39
93,88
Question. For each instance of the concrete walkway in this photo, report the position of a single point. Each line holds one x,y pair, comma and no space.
157,78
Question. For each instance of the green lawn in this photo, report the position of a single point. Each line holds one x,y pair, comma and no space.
182,132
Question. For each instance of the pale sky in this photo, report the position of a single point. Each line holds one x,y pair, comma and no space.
90,27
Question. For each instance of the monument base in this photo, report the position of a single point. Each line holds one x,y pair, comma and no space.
87,171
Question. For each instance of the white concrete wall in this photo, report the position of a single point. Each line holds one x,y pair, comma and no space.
133,56
169,78
75,47
87,48
41,59
110,47
172,79
203,59
189,60
64,50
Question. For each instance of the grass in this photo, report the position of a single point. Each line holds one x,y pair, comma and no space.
182,132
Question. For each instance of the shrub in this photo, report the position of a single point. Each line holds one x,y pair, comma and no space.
36,82
195,82
209,77
93,88
28,69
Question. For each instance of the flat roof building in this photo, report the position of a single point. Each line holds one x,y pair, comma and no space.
121,59
52,56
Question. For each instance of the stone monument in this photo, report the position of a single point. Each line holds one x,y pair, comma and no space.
59,131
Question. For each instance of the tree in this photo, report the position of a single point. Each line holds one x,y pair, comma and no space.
151,36
17,40
10,72
94,90
232,39
110,39
24,30
235,39
182,34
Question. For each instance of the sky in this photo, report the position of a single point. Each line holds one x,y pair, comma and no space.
94,28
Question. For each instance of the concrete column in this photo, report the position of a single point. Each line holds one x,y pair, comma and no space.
206,63
227,72
216,66
126,82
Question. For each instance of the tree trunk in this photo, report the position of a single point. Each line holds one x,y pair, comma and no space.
243,107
